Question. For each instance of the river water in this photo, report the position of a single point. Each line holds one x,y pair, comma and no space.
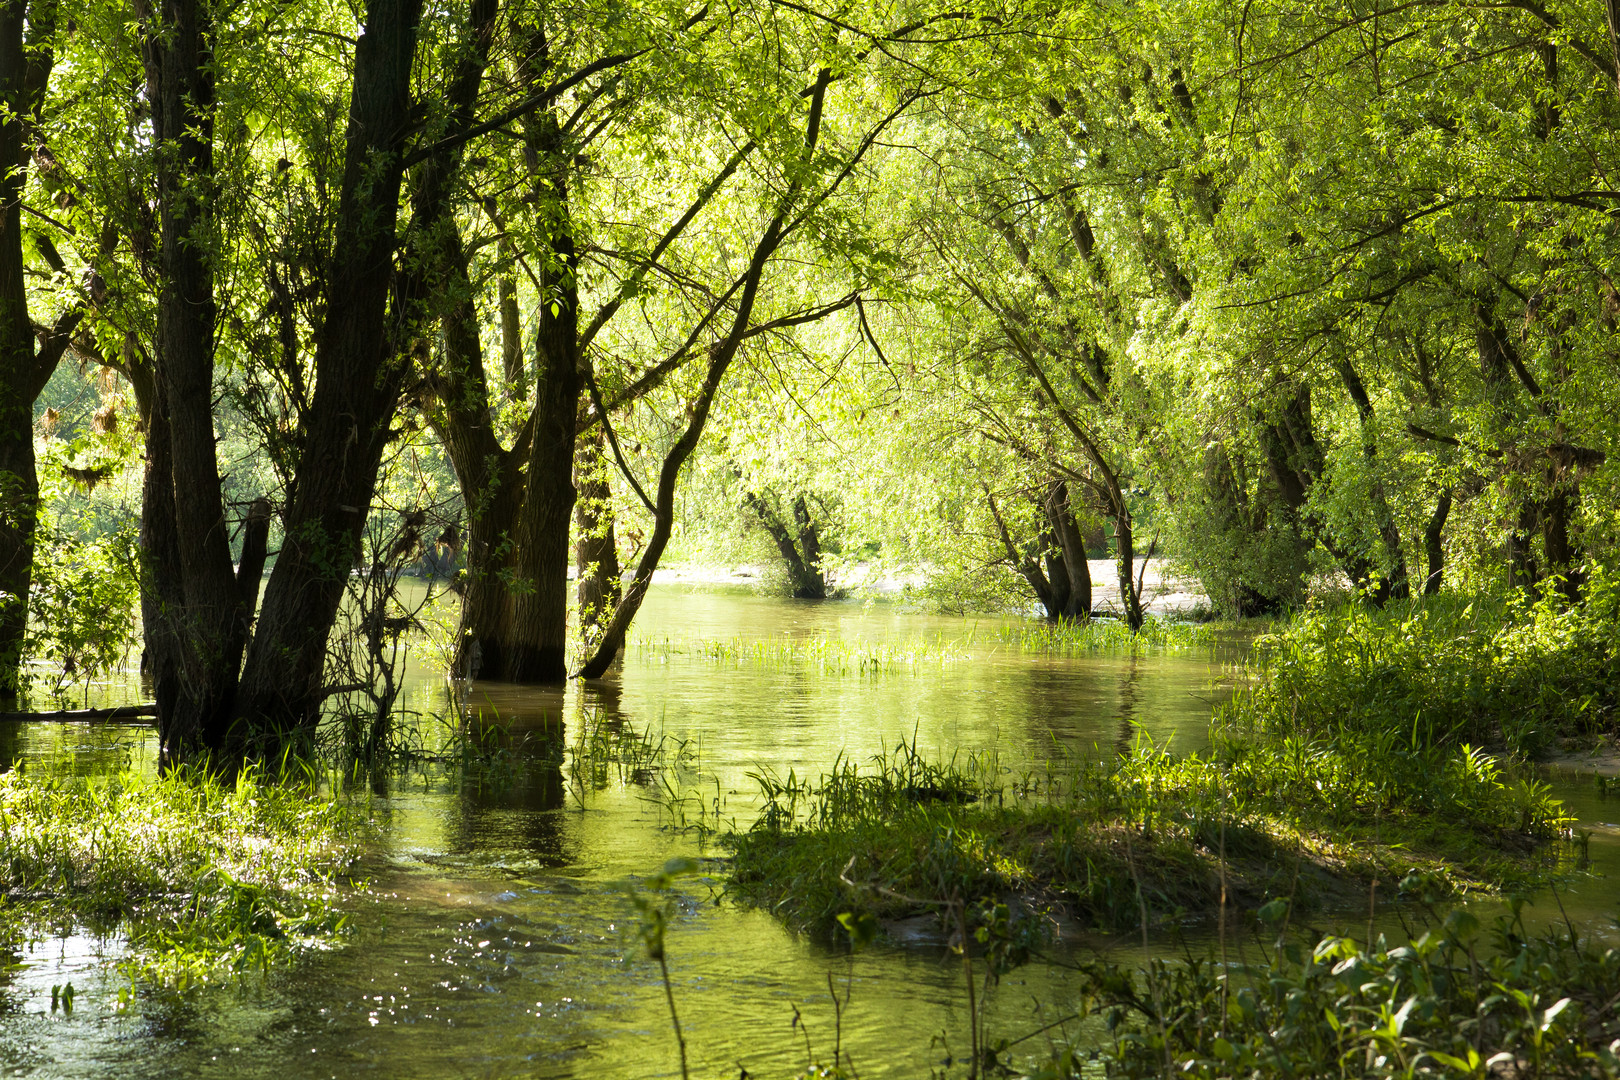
496,938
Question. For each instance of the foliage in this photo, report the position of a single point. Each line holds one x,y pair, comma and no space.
1108,841
1454,1002
206,875
82,605
1439,673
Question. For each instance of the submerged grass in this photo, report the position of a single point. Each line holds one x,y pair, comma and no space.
1108,842
204,875
827,655
853,656
1106,635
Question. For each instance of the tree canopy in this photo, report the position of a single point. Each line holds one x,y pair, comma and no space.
1285,292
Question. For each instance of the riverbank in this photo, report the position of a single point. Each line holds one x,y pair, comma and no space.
1164,592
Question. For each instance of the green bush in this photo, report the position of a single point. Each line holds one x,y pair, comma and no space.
1454,1003
1436,672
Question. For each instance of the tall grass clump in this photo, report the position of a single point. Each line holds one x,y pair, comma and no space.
1109,841
1506,673
1106,635
204,875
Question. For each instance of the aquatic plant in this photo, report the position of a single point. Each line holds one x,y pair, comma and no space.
828,655
855,656
1105,635
204,875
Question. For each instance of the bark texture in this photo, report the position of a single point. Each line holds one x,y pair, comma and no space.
27,358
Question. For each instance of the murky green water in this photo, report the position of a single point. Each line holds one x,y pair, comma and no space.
497,941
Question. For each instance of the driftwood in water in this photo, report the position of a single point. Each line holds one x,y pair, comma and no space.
119,712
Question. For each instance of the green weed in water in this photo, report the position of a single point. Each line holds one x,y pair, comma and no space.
852,656
204,875
1108,841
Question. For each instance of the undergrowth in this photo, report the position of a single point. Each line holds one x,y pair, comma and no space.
1456,1002
1109,842
204,875
1442,671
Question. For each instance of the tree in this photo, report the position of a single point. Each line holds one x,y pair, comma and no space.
28,354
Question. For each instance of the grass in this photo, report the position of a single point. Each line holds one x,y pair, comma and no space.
1106,635
204,876
846,656
826,655
1509,673
1109,842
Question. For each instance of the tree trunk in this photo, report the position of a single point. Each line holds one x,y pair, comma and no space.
1393,581
596,549
1434,550
25,67
1126,565
1498,360
360,370
1072,553
814,584
796,542
19,484
536,645
201,631
1052,595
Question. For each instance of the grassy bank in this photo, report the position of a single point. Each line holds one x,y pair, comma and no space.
203,875
1147,836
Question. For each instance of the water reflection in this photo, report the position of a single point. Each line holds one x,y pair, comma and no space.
494,940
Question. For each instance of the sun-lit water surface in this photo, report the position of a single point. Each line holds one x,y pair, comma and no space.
496,939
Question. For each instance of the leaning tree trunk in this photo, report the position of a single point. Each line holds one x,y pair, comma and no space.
1433,543
360,371
1129,595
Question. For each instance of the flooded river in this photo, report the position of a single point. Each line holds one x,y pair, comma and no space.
496,938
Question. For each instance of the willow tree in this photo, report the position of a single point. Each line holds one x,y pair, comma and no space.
29,352
1419,235
645,288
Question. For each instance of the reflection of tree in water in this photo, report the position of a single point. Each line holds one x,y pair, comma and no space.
510,793
1128,704
513,805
